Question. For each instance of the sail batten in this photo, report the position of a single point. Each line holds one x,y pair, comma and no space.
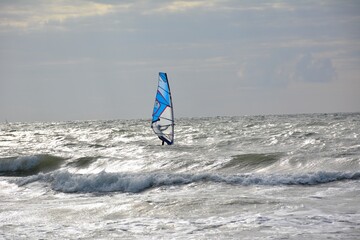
163,113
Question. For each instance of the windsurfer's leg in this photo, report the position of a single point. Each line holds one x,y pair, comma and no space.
162,143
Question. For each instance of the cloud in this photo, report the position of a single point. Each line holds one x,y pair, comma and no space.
179,6
39,13
310,69
268,70
217,6
282,68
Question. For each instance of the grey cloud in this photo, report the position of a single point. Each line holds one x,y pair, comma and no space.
310,69
271,70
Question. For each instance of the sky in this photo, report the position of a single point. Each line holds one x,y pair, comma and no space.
84,60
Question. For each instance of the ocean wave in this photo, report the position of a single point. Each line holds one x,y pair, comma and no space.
82,162
64,181
252,161
29,165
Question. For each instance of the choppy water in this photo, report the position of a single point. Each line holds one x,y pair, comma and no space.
272,177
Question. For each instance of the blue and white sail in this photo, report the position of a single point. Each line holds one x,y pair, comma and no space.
163,113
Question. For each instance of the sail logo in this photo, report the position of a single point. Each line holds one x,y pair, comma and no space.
157,104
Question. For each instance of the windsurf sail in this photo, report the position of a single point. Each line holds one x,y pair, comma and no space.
163,113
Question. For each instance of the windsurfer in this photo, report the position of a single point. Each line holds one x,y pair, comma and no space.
163,116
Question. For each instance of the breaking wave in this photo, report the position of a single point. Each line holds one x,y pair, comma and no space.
29,165
64,181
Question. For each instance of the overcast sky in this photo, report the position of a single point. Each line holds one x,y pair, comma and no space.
77,60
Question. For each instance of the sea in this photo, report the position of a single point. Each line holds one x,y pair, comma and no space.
245,177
